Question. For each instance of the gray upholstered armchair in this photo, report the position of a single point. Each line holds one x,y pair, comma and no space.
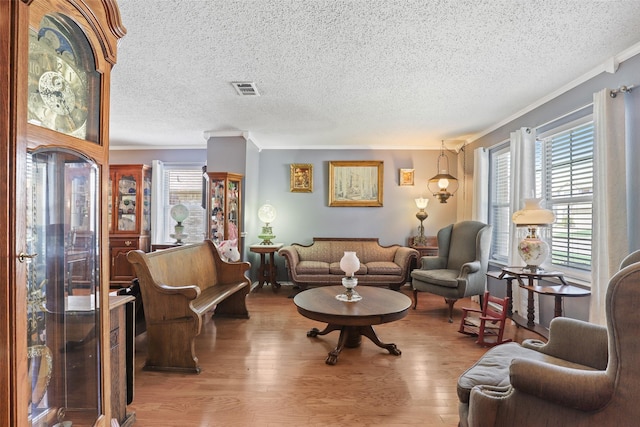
585,380
460,268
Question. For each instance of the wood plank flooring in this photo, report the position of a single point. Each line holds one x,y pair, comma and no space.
265,371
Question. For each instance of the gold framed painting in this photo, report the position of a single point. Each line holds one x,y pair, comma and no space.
406,177
301,178
356,183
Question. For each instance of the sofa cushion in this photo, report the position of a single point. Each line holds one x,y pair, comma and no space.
446,278
384,268
493,368
312,267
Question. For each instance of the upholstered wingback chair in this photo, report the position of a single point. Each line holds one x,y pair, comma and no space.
460,268
547,394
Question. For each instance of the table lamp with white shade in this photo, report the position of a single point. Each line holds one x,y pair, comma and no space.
267,214
532,219
349,264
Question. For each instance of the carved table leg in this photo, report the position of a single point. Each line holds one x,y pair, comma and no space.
273,272
557,312
368,332
531,311
510,295
351,337
332,358
330,328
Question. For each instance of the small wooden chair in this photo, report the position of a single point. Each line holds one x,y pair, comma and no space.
489,321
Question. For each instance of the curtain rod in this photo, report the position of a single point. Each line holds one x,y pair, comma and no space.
621,89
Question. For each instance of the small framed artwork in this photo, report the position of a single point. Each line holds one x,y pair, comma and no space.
356,183
406,177
301,178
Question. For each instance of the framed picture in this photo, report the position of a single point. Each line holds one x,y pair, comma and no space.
301,178
406,177
355,183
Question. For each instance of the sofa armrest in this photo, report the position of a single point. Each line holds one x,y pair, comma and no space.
290,254
576,388
403,257
575,341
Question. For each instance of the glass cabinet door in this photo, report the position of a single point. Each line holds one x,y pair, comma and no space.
233,207
146,204
218,208
127,190
224,206
62,289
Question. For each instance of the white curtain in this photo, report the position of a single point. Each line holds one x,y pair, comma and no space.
157,202
523,152
480,193
615,202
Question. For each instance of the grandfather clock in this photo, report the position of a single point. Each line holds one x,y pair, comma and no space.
55,66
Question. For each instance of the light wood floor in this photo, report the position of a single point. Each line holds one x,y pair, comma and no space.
265,371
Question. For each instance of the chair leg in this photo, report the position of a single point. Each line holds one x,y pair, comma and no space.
450,302
415,298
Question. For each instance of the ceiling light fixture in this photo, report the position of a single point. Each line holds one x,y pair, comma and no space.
439,185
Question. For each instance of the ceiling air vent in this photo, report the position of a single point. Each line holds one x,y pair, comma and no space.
246,88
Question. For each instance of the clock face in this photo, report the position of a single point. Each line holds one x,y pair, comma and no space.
58,90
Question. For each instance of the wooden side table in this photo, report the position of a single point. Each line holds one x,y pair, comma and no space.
267,271
525,278
430,249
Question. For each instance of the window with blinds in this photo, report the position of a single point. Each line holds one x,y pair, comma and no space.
567,185
499,218
183,185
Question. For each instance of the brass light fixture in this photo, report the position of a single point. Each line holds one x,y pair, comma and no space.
440,185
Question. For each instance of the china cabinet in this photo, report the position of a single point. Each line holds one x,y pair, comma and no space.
56,57
129,218
224,206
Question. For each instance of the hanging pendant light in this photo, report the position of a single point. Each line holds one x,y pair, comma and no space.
443,185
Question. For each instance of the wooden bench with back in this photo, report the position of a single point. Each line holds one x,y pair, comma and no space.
178,286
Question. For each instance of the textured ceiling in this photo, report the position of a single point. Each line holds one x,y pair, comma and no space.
345,73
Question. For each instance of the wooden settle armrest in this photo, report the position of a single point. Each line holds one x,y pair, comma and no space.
231,272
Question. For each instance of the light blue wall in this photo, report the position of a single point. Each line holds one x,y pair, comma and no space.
302,216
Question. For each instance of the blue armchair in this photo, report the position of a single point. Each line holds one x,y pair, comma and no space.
460,268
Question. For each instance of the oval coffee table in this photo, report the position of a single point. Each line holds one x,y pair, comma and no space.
353,319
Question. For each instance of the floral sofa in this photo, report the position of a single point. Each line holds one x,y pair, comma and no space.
318,264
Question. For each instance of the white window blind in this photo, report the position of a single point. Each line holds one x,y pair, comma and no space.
499,218
568,190
183,185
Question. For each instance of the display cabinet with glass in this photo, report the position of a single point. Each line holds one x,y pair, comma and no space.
224,206
129,218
